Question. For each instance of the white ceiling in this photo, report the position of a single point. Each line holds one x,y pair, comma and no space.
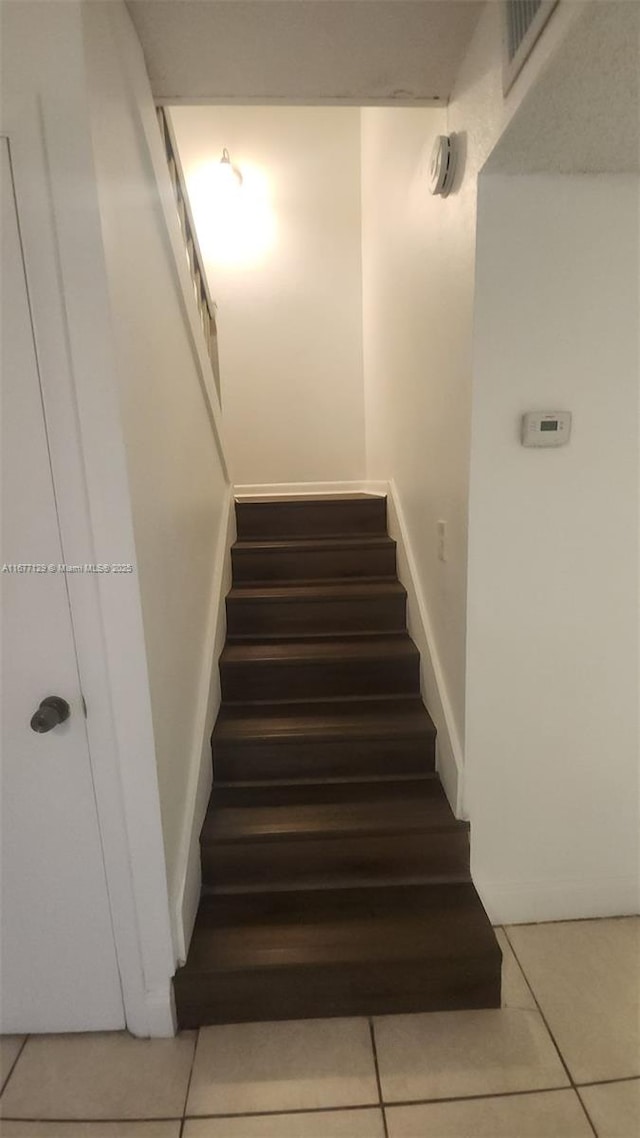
583,115
358,51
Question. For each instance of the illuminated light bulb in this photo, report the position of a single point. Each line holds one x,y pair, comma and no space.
229,172
236,224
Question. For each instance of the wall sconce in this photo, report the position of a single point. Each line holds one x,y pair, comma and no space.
232,212
231,174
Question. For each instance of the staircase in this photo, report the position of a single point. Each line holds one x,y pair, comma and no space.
335,876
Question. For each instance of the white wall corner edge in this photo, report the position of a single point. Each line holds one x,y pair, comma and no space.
530,902
449,753
185,887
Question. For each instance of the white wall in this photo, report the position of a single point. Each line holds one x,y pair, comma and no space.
552,674
289,290
418,296
417,300
418,255
177,477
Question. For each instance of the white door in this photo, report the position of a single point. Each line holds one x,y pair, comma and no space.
58,968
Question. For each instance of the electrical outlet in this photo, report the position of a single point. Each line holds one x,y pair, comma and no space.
441,530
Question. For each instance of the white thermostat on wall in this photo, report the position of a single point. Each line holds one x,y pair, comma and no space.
546,428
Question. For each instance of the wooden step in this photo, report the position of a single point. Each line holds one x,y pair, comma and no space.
321,669
321,609
334,516
366,951
321,836
335,878
313,559
344,739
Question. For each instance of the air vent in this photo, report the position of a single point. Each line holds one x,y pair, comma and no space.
524,21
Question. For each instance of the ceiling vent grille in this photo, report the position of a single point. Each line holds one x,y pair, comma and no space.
524,21
520,16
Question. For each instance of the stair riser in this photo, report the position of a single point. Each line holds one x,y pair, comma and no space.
274,521
318,759
274,680
342,860
318,794
263,618
359,990
251,565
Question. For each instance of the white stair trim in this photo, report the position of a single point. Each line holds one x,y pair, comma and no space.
185,888
449,752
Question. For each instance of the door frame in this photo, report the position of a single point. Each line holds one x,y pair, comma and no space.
50,152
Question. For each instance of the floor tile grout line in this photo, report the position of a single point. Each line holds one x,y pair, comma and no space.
608,1082
605,1083
477,1097
290,1110
372,1105
88,1121
195,1117
568,921
14,1064
363,1106
372,1034
298,1111
191,1068
352,1108
551,1034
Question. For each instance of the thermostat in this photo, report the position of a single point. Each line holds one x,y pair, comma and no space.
546,428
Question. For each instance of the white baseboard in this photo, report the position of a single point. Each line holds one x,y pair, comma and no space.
450,759
158,1017
528,902
185,895
309,489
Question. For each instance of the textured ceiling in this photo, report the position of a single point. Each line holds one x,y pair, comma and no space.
304,50
583,115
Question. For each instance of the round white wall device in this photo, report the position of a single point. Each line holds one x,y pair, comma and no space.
442,169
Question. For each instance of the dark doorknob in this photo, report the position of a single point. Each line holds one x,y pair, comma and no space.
52,711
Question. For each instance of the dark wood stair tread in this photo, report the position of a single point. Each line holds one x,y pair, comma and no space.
389,647
345,590
294,793
347,556
311,544
300,668
340,810
345,739
305,502
346,926
375,719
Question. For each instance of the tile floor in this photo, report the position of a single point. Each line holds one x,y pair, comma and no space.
561,1059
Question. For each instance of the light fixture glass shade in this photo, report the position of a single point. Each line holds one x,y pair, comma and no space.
231,172
235,221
